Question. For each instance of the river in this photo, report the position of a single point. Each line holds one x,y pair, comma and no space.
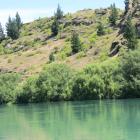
88,120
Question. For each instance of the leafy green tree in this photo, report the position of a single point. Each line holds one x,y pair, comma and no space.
100,29
55,83
59,13
87,87
75,42
131,72
28,91
2,35
114,14
18,21
98,82
8,84
55,27
130,34
12,28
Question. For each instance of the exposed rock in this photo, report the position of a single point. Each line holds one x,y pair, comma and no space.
131,9
8,46
21,47
76,22
41,38
65,22
101,11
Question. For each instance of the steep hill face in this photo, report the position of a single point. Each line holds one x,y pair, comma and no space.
31,51
132,9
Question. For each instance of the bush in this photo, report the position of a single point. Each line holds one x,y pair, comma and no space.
8,84
81,54
86,87
93,38
28,91
131,72
98,81
55,83
100,29
52,57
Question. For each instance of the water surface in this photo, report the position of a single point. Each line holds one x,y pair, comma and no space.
90,120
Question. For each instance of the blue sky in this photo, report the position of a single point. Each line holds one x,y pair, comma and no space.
33,9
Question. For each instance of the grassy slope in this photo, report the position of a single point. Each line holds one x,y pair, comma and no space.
35,36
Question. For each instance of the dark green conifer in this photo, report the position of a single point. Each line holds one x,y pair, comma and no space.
75,42
114,15
2,35
12,28
100,29
130,34
55,27
59,13
18,21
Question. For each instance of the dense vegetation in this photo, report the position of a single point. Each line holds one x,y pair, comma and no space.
111,79
8,84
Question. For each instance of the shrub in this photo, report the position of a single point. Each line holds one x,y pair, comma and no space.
8,84
100,29
131,72
81,54
98,81
93,38
9,60
28,91
86,87
52,57
55,83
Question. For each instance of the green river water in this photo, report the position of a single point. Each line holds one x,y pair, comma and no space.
89,120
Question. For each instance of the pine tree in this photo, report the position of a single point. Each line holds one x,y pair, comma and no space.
59,13
130,34
18,21
75,42
55,27
12,28
2,35
100,29
114,15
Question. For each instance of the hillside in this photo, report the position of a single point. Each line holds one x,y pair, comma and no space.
30,52
90,54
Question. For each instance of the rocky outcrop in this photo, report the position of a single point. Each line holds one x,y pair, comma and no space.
101,12
76,21
132,8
